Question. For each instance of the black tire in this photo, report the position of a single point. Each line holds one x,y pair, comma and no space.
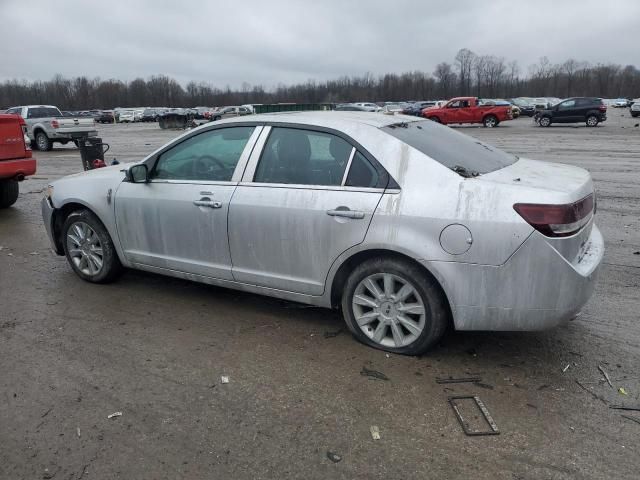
435,306
544,121
216,118
111,267
490,121
592,121
435,119
43,142
8,193
634,115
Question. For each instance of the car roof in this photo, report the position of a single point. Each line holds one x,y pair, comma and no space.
328,119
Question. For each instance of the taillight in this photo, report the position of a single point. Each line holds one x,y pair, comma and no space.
557,220
602,108
55,124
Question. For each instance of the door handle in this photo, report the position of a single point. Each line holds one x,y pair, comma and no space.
346,213
205,202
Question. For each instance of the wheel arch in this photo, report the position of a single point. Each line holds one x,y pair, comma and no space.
61,214
350,263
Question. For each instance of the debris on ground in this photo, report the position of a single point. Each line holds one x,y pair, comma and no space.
334,457
633,419
458,380
483,385
333,334
594,395
622,391
114,414
48,475
622,407
78,431
224,379
605,375
456,402
566,368
365,372
375,432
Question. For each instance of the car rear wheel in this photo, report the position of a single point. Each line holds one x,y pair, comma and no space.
42,142
394,306
490,121
8,193
592,121
89,248
544,121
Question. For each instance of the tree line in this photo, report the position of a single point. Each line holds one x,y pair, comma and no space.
485,76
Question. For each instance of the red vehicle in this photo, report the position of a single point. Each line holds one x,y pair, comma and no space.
469,110
16,161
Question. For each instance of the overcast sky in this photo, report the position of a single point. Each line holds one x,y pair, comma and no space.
267,42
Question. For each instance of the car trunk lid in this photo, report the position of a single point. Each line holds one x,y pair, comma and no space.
557,200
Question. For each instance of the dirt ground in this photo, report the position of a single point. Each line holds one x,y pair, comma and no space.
155,348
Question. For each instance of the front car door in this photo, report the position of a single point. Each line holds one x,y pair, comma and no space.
566,112
178,220
307,196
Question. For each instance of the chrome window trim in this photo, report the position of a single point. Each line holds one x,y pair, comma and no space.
296,186
348,167
256,153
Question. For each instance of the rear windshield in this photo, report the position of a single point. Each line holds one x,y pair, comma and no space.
461,153
43,112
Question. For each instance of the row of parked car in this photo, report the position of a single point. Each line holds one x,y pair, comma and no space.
490,112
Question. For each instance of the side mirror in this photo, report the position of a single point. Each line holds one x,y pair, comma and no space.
138,174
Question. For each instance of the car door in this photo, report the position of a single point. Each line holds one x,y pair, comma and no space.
566,112
178,220
296,209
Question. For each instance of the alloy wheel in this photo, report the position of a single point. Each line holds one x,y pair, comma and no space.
85,249
388,309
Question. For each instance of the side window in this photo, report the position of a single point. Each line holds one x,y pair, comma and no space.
15,111
455,104
303,157
585,102
209,156
362,173
568,104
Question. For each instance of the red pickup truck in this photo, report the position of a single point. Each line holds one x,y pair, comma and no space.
469,110
16,161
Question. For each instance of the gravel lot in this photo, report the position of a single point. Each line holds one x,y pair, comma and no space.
154,348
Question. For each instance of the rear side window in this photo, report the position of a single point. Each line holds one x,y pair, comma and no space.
303,157
43,112
452,149
362,173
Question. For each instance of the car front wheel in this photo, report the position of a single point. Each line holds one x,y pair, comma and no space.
544,121
394,306
89,248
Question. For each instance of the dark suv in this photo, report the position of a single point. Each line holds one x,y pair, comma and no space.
573,110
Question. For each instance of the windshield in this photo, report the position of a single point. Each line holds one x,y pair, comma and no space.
452,149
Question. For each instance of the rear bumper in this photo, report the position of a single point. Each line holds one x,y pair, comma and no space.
70,135
536,289
21,166
47,217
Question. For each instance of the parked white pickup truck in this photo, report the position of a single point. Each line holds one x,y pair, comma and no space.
46,125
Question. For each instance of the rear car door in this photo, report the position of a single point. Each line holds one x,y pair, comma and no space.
307,196
178,220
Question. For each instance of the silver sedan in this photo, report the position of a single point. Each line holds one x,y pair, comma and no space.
407,226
